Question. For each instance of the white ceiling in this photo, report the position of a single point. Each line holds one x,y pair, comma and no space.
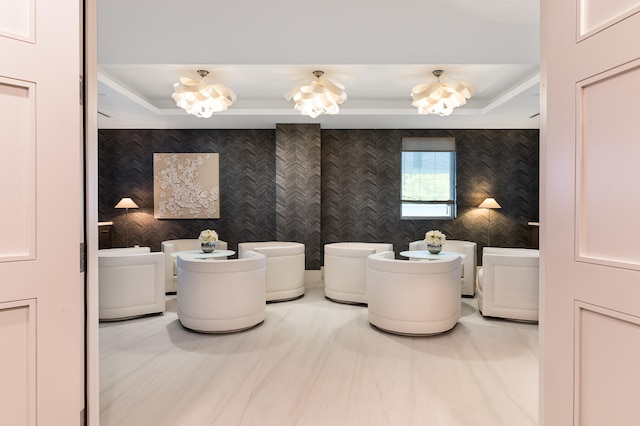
377,50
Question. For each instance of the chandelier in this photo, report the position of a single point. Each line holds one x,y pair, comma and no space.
202,99
439,98
318,97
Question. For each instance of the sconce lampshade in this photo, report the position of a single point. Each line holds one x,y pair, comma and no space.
318,97
440,98
126,203
489,203
202,99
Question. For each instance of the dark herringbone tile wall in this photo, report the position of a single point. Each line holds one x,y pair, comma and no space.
269,185
298,188
247,189
361,186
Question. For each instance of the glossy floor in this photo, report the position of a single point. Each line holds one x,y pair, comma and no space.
316,362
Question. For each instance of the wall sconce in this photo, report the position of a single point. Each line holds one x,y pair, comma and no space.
126,203
489,203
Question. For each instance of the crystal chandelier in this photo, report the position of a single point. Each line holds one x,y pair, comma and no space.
318,97
440,98
202,99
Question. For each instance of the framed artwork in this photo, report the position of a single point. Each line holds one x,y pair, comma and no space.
186,186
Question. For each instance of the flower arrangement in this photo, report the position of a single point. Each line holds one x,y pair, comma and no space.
434,238
208,236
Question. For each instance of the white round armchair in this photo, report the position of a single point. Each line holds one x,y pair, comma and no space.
171,267
413,297
217,296
469,262
345,266
285,267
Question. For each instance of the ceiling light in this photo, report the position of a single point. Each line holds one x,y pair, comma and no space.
318,97
202,99
440,98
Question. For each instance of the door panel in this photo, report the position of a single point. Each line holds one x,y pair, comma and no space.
41,219
607,151
18,366
18,166
607,345
18,20
590,259
596,15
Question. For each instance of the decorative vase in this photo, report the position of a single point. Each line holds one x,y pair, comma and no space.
209,247
434,249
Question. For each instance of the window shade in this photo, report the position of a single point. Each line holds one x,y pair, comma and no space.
444,144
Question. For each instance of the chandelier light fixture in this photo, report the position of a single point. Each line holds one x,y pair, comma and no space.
202,99
318,97
440,98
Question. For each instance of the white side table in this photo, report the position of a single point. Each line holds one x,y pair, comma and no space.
199,254
424,254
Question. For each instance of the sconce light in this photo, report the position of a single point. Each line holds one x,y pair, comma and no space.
489,203
126,203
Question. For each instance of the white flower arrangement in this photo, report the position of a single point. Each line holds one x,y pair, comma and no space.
182,189
435,238
208,236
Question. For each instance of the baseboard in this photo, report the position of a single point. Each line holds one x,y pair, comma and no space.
313,278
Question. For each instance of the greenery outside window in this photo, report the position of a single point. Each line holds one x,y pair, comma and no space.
428,187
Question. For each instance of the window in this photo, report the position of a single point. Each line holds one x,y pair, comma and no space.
428,188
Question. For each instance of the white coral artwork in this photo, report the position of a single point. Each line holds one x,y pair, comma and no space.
186,186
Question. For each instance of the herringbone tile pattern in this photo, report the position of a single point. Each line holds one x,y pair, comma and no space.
361,186
316,186
247,188
298,188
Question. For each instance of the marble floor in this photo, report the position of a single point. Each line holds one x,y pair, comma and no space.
316,362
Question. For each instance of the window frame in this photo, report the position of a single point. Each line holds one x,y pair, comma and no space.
430,144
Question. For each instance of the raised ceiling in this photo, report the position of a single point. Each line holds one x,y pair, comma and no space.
262,49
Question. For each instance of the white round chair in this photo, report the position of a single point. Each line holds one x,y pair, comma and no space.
413,297
345,266
171,267
218,296
285,267
469,262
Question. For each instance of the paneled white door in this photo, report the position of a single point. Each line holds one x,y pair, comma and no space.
590,207
41,214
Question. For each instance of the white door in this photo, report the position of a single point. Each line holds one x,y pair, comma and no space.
41,219
590,212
